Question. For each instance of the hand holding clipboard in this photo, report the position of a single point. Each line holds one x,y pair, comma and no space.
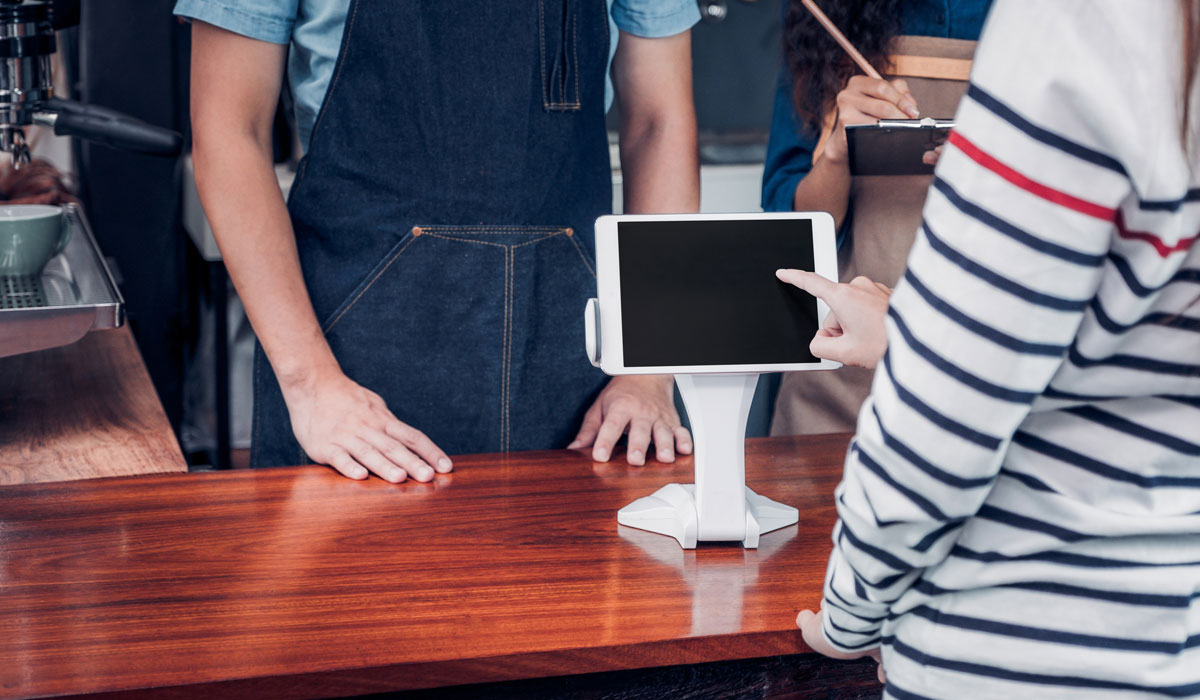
878,131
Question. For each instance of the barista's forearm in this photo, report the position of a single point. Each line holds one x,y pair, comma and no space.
250,221
659,166
825,188
235,89
659,162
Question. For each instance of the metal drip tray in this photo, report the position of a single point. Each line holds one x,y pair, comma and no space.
21,293
75,294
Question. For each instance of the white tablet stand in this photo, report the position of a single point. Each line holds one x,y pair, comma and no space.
718,507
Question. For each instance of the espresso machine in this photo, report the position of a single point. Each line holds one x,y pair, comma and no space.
76,293
27,40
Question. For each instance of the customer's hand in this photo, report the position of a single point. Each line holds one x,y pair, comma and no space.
853,332
931,157
646,406
342,424
811,624
866,100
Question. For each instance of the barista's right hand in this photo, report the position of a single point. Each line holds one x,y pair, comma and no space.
866,100
340,423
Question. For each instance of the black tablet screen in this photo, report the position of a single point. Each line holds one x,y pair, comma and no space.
705,292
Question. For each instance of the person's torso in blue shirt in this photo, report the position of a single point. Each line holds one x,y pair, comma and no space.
313,28
789,151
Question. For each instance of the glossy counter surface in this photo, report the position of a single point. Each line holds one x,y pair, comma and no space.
82,411
298,582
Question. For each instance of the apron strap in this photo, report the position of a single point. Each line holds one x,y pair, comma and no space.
935,68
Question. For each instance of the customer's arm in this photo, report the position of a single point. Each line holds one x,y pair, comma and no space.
853,331
1016,232
659,163
235,88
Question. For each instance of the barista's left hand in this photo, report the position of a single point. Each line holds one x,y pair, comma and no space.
644,405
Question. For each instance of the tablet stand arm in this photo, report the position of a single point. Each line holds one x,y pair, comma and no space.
719,507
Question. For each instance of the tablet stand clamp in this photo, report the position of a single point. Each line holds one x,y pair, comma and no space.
718,507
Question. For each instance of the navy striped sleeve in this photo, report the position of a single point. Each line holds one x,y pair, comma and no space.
983,320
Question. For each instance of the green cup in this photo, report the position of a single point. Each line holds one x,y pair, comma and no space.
31,234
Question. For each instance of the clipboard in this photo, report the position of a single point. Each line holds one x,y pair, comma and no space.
895,146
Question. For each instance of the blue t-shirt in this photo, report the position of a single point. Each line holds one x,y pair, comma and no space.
790,149
314,28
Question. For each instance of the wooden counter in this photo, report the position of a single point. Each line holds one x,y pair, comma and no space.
296,582
81,411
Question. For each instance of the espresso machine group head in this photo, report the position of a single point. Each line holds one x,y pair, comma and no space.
27,41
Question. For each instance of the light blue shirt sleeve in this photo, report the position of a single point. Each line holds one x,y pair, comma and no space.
651,19
655,18
265,20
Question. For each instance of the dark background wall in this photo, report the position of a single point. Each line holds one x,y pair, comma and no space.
735,62
131,55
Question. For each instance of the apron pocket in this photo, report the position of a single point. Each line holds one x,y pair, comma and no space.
558,28
458,328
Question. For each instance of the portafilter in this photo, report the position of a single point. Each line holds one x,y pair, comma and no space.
27,40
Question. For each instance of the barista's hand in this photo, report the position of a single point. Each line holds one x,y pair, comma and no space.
810,625
646,406
853,332
342,424
866,100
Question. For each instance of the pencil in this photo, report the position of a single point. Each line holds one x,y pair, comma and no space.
841,39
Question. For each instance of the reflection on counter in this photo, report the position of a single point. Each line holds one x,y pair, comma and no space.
718,576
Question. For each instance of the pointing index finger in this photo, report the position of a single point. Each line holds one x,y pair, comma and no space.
810,282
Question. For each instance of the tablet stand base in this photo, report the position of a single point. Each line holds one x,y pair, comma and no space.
711,510
671,511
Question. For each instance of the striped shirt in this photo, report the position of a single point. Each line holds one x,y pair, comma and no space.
1020,511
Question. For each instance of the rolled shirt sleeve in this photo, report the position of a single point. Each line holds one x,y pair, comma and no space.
653,19
265,20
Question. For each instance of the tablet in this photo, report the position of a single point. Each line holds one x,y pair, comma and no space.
697,293
894,146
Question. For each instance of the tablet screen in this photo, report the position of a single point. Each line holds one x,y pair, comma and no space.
705,292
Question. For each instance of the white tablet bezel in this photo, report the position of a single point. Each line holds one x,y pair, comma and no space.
608,282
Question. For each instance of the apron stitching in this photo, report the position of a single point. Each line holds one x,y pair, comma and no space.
506,384
370,284
536,240
542,46
564,74
462,240
546,101
575,51
515,231
581,255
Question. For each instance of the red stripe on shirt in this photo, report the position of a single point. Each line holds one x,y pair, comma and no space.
1162,248
1047,193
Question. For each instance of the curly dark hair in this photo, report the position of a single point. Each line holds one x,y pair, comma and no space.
818,66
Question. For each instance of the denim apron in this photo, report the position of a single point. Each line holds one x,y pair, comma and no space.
444,215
